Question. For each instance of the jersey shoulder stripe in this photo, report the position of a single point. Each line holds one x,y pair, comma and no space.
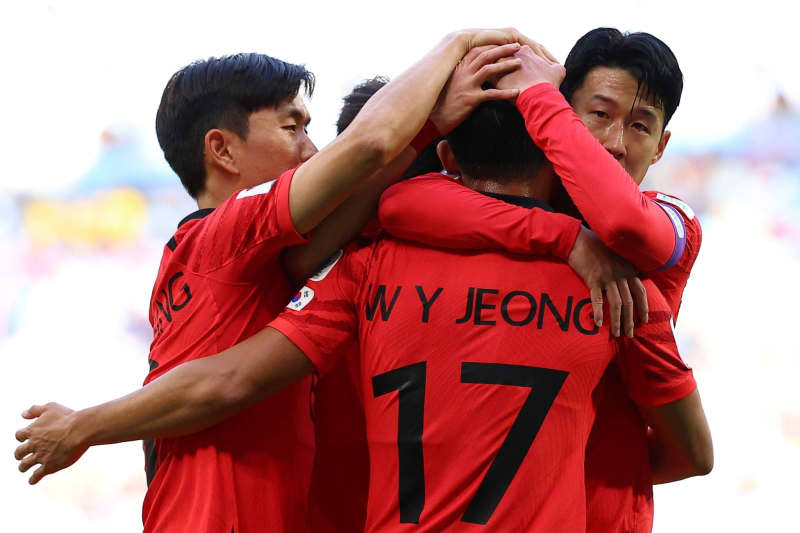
688,212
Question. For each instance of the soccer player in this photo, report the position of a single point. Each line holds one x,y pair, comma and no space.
233,129
624,89
476,370
339,482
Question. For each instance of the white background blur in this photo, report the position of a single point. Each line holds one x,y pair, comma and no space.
87,203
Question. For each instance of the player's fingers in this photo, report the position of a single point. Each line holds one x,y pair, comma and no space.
597,304
545,53
499,94
639,294
28,462
614,306
23,450
516,36
627,307
38,474
470,56
33,411
490,54
496,70
23,434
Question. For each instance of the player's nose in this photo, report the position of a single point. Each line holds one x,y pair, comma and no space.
614,140
307,150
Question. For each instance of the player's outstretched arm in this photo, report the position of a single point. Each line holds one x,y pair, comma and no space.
680,440
383,128
189,398
462,93
627,220
438,211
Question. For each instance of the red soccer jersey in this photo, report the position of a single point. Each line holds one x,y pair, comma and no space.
618,480
465,219
220,281
477,389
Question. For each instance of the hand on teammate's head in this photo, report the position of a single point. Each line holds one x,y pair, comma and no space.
534,68
465,89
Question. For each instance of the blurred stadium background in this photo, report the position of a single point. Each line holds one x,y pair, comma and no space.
87,203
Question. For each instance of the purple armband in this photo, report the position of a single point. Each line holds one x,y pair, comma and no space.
680,235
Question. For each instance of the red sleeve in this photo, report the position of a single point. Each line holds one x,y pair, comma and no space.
321,319
626,220
671,279
252,227
650,364
436,210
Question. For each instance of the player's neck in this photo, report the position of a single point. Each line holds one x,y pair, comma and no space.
537,185
216,191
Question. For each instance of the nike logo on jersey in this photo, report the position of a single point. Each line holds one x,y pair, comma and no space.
264,188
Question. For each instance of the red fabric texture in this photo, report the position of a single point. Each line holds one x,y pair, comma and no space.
220,281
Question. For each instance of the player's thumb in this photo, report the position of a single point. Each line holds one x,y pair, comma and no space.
33,411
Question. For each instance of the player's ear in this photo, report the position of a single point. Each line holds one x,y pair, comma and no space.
217,149
449,163
662,145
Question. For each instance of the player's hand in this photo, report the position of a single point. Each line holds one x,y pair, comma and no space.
533,69
49,441
480,37
463,92
603,270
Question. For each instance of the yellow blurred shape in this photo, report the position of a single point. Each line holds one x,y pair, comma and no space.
116,217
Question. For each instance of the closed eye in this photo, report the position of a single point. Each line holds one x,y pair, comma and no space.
600,114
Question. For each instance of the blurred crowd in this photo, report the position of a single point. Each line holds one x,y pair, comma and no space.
79,266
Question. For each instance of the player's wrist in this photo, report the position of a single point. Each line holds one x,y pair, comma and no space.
533,88
429,132
81,429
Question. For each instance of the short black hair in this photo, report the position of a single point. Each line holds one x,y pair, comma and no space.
354,101
645,57
492,143
427,160
219,92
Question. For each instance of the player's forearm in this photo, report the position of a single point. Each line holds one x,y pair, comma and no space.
197,394
191,397
382,129
610,201
680,440
341,226
440,212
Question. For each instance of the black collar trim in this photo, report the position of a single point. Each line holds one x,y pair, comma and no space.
200,213
522,201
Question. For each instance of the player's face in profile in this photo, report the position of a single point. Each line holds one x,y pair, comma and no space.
628,127
276,141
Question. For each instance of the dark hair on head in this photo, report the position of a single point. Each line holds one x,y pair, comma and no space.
427,161
492,143
354,101
645,57
219,93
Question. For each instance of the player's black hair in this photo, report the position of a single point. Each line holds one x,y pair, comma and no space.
219,92
427,160
354,101
645,57
492,143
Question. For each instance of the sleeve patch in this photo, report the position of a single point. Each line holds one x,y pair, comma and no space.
301,299
264,188
677,222
328,266
683,206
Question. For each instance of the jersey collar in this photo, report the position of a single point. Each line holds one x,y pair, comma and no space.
522,201
200,213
